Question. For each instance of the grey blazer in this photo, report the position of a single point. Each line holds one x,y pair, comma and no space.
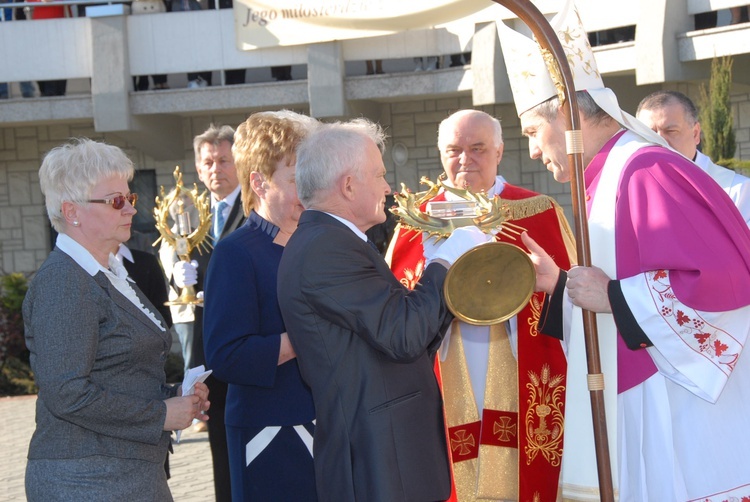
99,364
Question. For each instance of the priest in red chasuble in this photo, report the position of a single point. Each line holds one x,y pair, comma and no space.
503,385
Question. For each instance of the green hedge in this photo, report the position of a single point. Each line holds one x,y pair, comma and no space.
741,166
16,377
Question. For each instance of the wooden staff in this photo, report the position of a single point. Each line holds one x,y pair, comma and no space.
548,40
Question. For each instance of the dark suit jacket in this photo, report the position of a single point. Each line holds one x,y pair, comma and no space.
234,220
148,275
366,347
218,390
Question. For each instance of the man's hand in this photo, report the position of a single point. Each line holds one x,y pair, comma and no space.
547,271
587,288
185,273
461,240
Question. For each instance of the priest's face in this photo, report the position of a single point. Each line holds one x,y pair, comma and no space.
547,142
470,150
682,132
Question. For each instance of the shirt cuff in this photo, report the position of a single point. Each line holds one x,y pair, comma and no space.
630,331
551,318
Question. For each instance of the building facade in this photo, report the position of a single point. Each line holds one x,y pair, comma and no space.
640,47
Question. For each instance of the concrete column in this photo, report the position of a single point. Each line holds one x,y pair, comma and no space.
325,80
491,83
111,81
656,48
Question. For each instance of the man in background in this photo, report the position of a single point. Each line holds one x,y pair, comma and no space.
673,116
487,371
215,166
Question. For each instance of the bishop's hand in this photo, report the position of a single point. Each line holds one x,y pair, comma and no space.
547,271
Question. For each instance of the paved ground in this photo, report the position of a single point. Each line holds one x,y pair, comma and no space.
192,476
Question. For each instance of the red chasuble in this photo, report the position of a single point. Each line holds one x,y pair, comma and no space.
527,438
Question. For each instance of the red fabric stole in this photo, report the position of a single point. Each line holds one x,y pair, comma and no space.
541,362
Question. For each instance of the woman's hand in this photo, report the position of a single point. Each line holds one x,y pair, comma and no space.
200,389
182,410
286,351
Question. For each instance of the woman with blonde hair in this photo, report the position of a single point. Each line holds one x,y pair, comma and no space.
269,409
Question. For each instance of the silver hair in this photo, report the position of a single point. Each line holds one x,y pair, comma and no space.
213,135
444,131
332,151
71,171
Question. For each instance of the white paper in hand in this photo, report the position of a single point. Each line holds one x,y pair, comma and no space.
192,376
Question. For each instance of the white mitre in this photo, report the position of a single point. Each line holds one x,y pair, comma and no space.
530,79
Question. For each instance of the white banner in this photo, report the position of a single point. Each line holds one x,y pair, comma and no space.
295,22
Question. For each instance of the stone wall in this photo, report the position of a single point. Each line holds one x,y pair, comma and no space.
24,228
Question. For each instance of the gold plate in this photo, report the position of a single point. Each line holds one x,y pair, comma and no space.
489,284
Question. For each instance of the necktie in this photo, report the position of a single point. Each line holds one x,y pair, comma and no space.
219,219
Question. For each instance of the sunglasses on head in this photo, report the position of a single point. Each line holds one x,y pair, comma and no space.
118,201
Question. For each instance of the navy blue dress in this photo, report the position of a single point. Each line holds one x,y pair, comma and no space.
269,410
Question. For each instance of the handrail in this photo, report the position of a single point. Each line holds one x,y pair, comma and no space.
14,5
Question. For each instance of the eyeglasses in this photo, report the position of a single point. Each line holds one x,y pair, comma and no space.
118,201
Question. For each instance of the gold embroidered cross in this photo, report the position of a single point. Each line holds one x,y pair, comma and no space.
504,429
464,441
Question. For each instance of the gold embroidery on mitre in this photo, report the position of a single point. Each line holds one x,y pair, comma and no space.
544,418
555,73
575,41
533,76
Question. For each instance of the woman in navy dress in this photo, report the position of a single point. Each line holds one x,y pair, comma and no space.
269,411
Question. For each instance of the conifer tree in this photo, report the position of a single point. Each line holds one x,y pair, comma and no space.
716,114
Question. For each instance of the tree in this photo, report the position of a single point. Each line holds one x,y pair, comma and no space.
15,373
716,114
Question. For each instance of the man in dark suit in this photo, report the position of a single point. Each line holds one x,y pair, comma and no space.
215,166
365,343
145,270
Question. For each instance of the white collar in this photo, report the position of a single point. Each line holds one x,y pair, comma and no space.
351,225
118,276
229,199
495,189
123,252
79,254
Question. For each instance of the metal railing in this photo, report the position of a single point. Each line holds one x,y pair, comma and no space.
27,6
